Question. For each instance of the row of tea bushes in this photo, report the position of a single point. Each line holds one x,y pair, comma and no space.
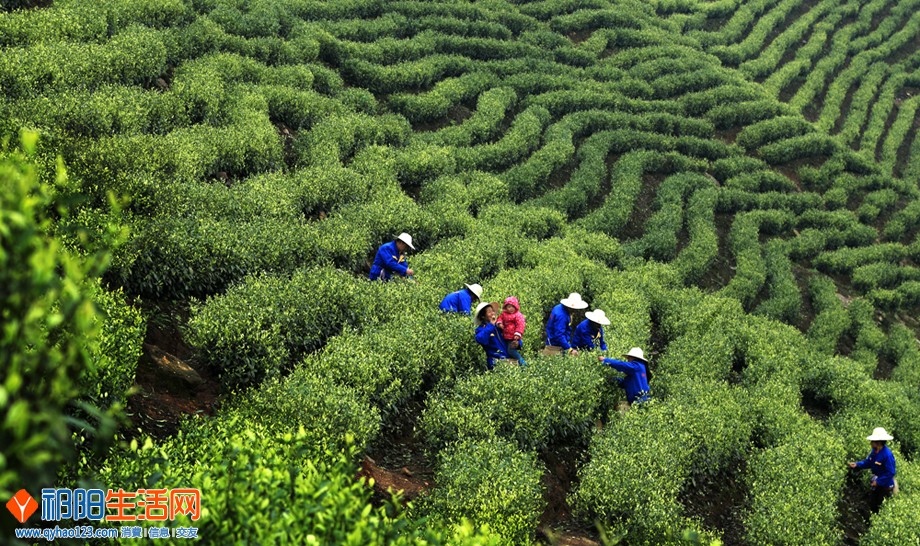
641,461
549,402
284,471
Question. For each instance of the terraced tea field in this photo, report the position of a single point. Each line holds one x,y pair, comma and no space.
734,183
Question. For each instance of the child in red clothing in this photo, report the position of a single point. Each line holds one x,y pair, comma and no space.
511,322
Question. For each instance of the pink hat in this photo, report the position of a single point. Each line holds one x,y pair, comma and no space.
511,300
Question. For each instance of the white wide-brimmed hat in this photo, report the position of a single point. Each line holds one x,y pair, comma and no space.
574,301
598,316
495,307
475,289
879,435
637,354
406,238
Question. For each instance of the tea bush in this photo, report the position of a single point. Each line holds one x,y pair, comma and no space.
521,138
492,482
785,300
798,147
445,94
641,461
751,274
549,402
389,372
285,471
263,150
110,109
661,229
50,325
696,258
491,108
133,56
261,326
831,318
902,348
325,412
869,338
794,490
117,349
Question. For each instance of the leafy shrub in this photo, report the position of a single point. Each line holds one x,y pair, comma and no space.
117,349
49,324
751,274
325,412
110,109
379,364
902,347
770,130
785,300
831,318
796,483
745,113
491,482
247,145
875,203
257,328
610,217
799,147
661,229
491,108
523,136
337,138
641,461
407,76
445,94
696,258
869,337
133,56
845,260
545,403
902,221
284,473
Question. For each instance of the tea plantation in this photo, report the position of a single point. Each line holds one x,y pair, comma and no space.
735,183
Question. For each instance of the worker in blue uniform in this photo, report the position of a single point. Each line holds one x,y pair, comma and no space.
391,259
881,462
589,334
488,335
461,301
559,324
635,383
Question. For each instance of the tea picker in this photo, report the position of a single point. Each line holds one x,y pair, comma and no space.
635,382
559,326
461,301
487,334
881,462
391,259
590,332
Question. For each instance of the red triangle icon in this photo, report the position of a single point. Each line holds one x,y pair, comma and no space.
22,506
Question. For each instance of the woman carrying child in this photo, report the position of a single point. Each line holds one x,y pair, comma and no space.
488,335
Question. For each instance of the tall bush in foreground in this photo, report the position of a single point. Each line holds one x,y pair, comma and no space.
47,326
265,487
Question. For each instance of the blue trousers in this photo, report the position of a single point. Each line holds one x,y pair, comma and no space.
513,353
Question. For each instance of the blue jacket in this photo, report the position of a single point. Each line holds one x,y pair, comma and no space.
635,383
558,327
882,466
388,261
491,340
587,334
460,301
